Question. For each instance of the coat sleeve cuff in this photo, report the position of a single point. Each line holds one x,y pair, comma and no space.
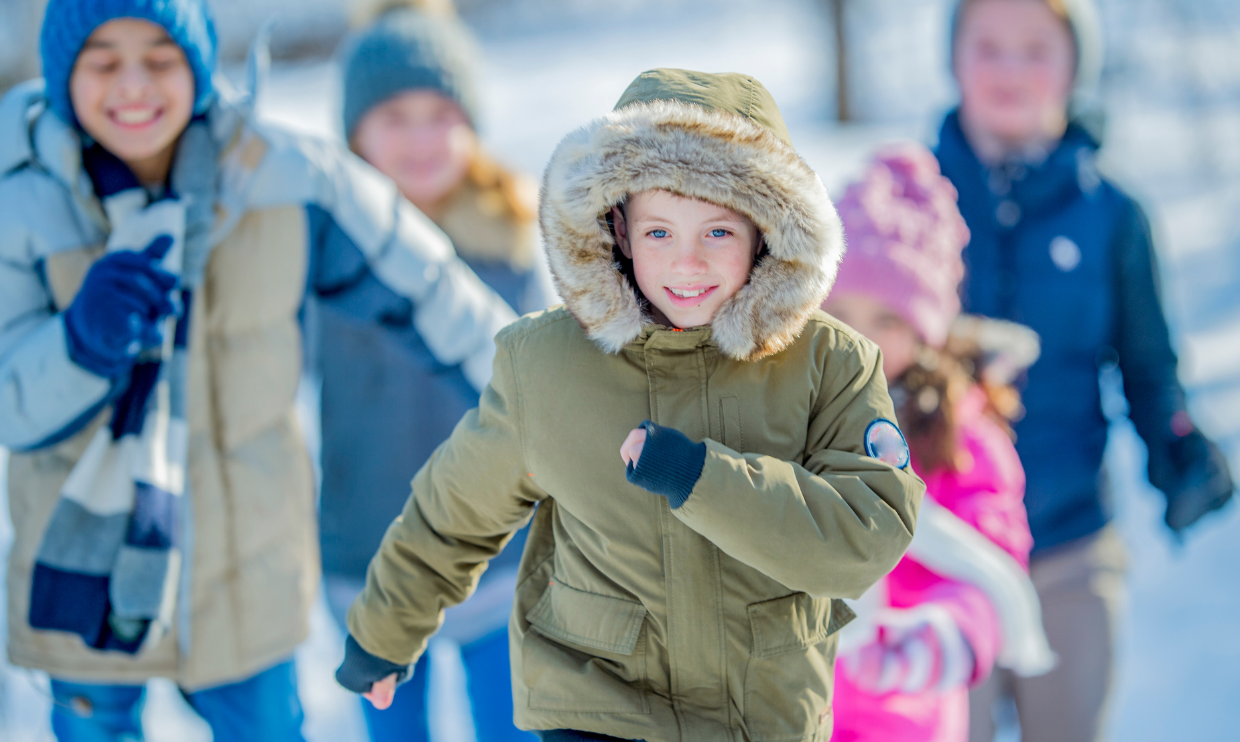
361,669
670,464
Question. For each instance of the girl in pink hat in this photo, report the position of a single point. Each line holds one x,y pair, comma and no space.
960,601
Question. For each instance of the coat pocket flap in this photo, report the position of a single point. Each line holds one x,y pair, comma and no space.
588,619
795,622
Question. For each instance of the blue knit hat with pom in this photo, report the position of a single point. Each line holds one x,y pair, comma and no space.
68,23
408,50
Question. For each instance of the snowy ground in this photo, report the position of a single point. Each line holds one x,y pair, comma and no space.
1173,92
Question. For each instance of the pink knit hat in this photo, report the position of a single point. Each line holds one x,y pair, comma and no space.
905,236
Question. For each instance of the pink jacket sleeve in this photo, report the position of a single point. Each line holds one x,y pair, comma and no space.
988,494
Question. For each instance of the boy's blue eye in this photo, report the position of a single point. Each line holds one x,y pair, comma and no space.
719,233
658,234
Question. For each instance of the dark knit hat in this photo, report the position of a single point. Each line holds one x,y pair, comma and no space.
68,23
408,50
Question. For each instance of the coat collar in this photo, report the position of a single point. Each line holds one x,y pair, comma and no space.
482,228
16,110
32,135
1068,172
658,337
710,155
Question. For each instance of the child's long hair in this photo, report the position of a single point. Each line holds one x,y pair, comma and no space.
985,353
501,188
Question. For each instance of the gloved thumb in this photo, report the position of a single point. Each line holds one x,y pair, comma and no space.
159,247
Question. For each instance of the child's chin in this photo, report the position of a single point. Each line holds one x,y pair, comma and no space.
685,320
132,146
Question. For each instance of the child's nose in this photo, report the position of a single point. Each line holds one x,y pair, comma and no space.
133,82
690,258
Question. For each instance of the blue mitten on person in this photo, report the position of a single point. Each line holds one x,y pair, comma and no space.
117,311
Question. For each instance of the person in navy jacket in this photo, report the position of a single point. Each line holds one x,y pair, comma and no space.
1058,247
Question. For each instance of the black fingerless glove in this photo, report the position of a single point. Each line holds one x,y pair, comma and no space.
670,464
361,669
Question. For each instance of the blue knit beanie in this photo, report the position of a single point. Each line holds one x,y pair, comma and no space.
68,23
408,50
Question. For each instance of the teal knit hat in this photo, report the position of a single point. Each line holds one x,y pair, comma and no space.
68,23
408,50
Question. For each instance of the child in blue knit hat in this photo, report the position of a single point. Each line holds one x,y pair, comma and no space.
156,246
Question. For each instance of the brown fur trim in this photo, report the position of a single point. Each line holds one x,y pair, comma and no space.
713,156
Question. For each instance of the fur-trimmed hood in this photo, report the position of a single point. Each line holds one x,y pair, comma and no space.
717,138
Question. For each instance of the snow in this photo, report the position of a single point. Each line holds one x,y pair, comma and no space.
1172,89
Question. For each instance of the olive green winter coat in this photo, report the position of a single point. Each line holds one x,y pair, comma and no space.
715,620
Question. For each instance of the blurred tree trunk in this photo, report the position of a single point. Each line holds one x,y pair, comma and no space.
19,40
839,24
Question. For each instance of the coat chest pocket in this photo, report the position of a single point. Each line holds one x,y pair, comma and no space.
586,653
791,667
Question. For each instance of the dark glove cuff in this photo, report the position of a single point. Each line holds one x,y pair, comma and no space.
361,669
670,464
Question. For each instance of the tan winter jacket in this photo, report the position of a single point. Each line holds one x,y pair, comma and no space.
715,620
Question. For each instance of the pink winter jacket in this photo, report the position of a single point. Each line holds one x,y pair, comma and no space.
987,495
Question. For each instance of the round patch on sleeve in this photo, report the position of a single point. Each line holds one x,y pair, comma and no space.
885,442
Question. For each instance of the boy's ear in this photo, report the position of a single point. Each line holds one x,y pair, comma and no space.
621,228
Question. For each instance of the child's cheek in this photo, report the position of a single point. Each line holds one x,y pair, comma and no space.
740,265
86,92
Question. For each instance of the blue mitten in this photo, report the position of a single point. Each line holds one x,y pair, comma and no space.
117,311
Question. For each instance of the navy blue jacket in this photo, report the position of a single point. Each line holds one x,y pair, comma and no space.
1059,248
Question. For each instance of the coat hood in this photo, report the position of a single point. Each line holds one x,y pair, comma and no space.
713,137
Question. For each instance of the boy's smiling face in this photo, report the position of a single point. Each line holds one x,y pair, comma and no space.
689,256
133,92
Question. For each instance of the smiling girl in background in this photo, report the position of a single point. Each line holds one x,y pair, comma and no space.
157,243
410,108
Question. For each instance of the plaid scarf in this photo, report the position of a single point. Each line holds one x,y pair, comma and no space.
110,565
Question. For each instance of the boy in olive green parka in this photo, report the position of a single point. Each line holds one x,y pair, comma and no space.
687,589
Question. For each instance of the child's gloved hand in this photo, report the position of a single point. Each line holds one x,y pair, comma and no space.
373,677
381,692
672,463
917,650
1194,475
117,311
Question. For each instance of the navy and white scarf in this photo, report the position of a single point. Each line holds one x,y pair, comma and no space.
110,566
